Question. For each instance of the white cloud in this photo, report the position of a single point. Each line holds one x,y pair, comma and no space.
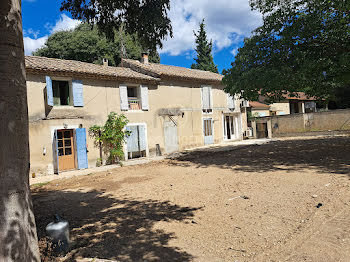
227,23
65,23
31,40
234,51
31,45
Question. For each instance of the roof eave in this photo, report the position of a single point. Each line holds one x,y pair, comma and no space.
92,76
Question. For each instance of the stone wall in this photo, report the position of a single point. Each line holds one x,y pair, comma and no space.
317,123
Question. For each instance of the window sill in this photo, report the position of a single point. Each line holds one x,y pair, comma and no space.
63,107
136,111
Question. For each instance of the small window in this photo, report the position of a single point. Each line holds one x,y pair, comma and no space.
134,100
61,93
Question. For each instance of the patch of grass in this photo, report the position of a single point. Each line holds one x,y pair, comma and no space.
39,184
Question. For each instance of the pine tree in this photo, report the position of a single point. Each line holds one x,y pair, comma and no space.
204,60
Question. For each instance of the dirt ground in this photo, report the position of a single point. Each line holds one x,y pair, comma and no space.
282,201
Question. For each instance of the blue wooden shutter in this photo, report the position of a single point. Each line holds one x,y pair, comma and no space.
133,139
49,91
123,92
80,137
55,145
142,137
78,94
144,98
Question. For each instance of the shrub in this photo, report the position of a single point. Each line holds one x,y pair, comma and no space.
111,136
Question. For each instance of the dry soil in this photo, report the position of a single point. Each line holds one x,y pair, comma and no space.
283,201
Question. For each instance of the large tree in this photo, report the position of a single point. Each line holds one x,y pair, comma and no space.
87,44
204,60
18,239
303,45
147,18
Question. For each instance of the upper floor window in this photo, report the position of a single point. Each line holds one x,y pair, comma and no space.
207,103
134,101
230,102
133,97
61,93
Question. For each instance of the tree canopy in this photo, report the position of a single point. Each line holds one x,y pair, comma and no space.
204,60
148,19
86,44
303,45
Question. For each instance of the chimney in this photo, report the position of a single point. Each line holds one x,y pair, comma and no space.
105,62
144,58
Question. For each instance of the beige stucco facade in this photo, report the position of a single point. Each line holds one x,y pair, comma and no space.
281,108
102,97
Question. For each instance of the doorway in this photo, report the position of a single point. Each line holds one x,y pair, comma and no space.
208,131
261,130
230,130
65,149
171,140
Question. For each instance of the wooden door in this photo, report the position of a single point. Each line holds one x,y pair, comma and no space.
261,129
65,148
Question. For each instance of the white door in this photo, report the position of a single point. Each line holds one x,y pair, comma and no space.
170,136
208,131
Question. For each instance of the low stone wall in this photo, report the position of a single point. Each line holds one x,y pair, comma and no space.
311,123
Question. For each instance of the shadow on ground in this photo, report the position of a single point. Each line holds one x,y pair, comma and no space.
108,228
329,155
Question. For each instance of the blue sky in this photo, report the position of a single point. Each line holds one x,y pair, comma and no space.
228,22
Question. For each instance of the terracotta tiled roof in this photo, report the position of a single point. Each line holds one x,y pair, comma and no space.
39,65
299,96
166,71
258,105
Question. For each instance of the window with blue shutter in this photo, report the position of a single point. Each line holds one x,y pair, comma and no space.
78,93
80,138
49,92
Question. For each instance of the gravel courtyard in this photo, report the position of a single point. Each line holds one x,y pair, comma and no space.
282,201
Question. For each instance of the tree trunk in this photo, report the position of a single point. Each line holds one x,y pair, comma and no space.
18,237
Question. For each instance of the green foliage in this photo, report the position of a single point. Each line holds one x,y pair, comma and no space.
251,116
301,46
112,136
99,162
204,60
148,19
86,44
